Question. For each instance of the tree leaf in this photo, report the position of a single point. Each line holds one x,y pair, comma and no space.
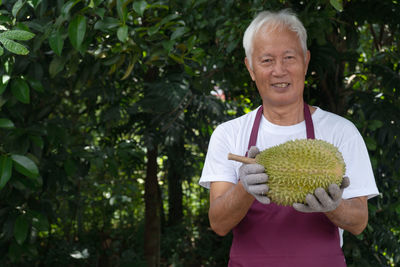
100,12
21,228
122,33
14,47
17,35
35,3
337,4
36,85
17,7
3,83
67,7
106,24
371,143
6,123
77,30
56,65
56,42
153,30
177,58
375,124
20,90
25,166
178,32
139,7
5,170
122,10
130,67
1,51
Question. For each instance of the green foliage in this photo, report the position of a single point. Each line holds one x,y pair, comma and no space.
7,40
88,86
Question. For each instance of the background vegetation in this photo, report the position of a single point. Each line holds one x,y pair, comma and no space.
106,108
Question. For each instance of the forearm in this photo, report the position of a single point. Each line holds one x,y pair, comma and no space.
351,215
228,209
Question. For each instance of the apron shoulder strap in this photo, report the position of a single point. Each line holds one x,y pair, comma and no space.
309,122
254,130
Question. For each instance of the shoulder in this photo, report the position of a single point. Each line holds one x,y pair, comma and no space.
334,124
237,125
329,117
242,119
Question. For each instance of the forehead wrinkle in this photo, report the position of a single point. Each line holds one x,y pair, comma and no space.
289,51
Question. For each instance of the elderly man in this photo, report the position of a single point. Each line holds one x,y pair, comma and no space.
266,234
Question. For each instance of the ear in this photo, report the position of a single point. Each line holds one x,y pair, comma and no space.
308,57
251,72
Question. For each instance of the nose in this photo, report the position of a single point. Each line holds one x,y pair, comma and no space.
279,68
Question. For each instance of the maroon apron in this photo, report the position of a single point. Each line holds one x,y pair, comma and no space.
279,236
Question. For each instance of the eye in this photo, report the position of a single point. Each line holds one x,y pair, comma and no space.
266,60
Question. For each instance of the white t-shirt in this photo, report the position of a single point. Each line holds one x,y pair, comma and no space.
233,137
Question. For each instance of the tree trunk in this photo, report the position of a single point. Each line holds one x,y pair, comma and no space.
175,177
152,230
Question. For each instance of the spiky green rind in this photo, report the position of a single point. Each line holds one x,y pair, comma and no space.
296,168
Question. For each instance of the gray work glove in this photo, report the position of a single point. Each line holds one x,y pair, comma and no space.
321,201
254,178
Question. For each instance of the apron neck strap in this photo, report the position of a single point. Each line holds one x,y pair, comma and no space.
256,126
309,122
254,130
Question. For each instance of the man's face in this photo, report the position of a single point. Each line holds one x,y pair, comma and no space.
279,66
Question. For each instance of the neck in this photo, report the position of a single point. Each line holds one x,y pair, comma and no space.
284,115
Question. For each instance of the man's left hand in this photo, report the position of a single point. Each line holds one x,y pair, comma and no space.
322,201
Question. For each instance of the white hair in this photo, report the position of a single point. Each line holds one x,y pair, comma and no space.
281,18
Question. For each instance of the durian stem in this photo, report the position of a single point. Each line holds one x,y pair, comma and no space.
241,159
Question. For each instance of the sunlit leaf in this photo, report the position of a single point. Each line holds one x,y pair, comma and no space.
14,47
176,58
6,123
67,6
25,166
17,7
56,42
122,10
122,33
17,35
130,67
337,4
77,30
35,3
139,7
3,83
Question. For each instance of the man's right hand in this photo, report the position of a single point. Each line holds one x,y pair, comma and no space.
254,178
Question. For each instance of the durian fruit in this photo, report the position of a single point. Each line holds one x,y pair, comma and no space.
296,168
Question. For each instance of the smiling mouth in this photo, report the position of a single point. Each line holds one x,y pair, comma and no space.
281,85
